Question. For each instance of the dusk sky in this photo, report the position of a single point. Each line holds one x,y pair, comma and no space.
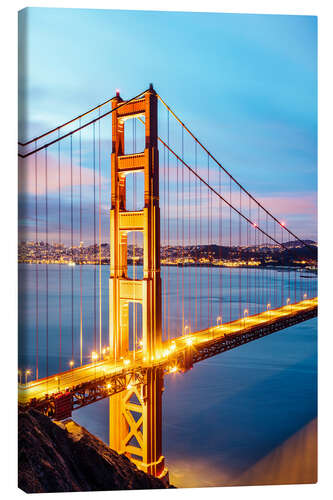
245,84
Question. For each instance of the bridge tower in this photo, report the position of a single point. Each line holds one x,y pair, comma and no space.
135,414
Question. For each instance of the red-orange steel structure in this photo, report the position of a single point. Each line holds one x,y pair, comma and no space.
135,415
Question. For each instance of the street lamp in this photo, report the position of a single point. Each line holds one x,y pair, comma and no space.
246,313
305,296
57,379
71,364
269,309
94,356
27,373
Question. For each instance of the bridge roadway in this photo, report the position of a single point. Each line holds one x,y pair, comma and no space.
100,379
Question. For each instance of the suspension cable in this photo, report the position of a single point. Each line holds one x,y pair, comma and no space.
81,126
228,173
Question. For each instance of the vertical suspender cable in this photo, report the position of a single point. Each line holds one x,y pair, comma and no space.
196,240
81,322
230,250
282,278
274,274
209,250
220,248
200,270
211,255
47,266
94,253
60,250
259,270
248,230
36,266
177,236
164,245
289,263
240,254
183,318
72,250
100,234
189,246
168,231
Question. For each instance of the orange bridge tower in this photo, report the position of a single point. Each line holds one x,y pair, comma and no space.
135,414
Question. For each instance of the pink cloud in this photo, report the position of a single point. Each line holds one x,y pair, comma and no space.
27,178
290,204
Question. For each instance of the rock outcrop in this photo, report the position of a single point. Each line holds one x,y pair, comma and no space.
58,457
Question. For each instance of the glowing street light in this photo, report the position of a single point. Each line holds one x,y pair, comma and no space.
57,379
94,356
186,330
305,296
269,308
27,373
245,314
189,341
219,321
71,364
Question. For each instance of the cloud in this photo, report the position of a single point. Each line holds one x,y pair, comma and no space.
29,170
290,204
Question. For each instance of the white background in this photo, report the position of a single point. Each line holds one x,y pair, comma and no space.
8,231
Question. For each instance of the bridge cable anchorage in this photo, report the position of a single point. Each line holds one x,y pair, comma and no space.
228,173
81,127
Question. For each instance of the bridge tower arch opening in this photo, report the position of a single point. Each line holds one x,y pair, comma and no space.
135,414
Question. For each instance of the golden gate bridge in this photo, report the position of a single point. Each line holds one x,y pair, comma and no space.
175,302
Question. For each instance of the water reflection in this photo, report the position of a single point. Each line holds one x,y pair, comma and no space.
225,421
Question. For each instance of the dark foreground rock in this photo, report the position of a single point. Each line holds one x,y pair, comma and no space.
66,457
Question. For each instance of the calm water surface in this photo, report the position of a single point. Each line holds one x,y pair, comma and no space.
222,416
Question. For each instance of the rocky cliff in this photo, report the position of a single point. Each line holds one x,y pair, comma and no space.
55,457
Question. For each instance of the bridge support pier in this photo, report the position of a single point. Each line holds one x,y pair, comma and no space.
135,416
136,423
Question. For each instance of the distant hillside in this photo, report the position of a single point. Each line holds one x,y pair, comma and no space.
57,457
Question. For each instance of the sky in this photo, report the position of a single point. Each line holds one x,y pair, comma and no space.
245,84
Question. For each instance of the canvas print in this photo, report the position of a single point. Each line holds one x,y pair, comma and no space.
167,250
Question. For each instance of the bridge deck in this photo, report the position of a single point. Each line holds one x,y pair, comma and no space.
97,380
